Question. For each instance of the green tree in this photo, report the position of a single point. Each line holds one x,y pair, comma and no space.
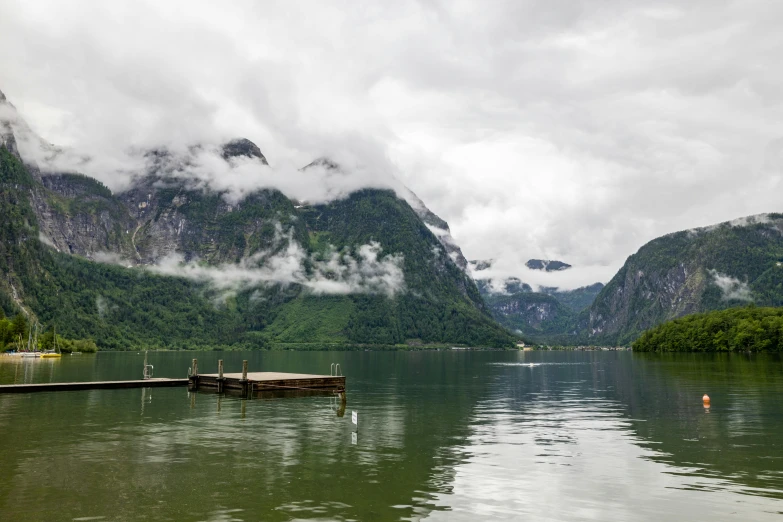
5,335
19,326
47,340
745,329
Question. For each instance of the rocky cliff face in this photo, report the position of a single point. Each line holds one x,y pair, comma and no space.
531,313
730,264
441,229
170,218
78,215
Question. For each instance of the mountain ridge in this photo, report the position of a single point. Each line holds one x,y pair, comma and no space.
271,247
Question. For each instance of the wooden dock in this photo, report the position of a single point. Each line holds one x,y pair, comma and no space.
248,383
244,383
92,385
268,381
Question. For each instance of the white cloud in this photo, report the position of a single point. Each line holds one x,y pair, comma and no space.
46,241
111,258
730,287
104,306
366,271
551,130
243,175
507,267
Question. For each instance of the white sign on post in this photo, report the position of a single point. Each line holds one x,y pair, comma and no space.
355,417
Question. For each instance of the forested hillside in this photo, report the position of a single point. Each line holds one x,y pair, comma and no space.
745,329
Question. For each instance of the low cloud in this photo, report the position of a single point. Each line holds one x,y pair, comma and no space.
364,271
111,258
731,288
745,221
46,241
505,268
104,306
205,168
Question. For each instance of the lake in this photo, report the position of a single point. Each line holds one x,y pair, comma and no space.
450,435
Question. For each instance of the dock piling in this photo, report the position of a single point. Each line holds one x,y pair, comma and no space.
220,376
244,378
194,374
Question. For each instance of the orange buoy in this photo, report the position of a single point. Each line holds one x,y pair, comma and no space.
706,399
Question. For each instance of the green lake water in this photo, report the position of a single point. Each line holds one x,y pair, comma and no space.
442,436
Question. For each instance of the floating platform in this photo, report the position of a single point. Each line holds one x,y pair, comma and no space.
268,381
92,385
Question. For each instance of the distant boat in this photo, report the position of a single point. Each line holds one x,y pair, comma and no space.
55,352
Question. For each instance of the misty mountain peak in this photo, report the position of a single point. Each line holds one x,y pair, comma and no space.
481,264
324,162
243,147
547,265
7,138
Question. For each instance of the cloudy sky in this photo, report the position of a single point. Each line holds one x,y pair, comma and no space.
567,129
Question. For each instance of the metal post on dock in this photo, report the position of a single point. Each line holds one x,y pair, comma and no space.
147,374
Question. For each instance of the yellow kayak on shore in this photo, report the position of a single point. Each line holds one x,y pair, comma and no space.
50,355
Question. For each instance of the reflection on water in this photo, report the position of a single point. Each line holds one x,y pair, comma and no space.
550,444
442,436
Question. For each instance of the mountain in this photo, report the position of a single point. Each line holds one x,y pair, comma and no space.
531,314
548,311
693,271
547,265
698,270
577,299
173,261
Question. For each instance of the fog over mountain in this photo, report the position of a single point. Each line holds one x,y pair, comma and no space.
538,130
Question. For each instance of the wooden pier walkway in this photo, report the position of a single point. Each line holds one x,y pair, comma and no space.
246,382
92,385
